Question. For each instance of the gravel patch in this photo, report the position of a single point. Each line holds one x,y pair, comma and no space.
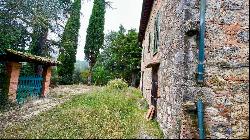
57,95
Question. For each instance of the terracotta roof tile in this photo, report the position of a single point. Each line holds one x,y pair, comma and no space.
27,57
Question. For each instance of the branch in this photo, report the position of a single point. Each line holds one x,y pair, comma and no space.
109,4
17,3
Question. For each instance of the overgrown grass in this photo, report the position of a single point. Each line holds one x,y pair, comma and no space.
105,113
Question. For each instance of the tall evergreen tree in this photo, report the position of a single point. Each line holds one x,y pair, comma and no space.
95,34
69,44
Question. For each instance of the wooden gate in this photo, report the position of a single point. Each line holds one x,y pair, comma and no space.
28,87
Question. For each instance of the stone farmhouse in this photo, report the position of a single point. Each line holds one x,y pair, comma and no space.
195,66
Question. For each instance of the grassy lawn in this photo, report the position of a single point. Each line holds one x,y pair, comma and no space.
104,113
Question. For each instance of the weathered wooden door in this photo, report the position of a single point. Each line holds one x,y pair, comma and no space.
154,90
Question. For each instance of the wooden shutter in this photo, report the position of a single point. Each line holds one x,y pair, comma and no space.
156,33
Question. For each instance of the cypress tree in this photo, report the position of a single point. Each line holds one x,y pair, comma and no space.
95,34
69,44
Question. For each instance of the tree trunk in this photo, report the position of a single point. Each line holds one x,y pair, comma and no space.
90,76
40,49
90,79
38,69
133,81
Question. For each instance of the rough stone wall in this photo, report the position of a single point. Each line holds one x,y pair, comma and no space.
227,68
226,85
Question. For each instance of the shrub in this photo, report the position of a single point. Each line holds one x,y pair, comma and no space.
100,75
54,81
77,79
27,69
84,75
118,84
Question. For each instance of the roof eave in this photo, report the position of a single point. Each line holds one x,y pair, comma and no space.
13,55
145,14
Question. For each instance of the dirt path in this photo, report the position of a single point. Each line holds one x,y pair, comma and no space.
32,108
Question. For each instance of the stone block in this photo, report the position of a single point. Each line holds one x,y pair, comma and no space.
233,5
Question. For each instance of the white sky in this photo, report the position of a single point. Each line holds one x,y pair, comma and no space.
126,12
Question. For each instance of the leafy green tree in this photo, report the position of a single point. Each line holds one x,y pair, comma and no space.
69,44
127,55
120,58
25,24
46,15
45,12
95,34
22,20
12,35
